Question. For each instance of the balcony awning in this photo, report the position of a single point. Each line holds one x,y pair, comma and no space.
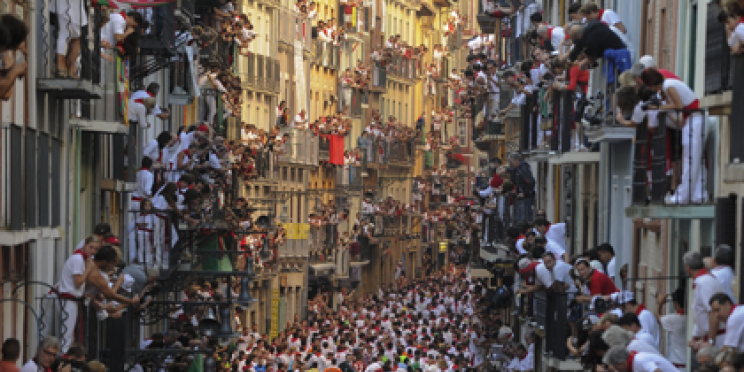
100,126
426,10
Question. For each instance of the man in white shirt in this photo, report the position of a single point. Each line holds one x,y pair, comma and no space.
552,35
552,272
619,359
71,286
676,325
630,322
48,350
552,247
704,287
647,319
152,92
145,180
139,109
300,120
725,311
722,260
619,336
606,255
554,232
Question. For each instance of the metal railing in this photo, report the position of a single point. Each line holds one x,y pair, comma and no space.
161,35
358,97
248,71
302,148
402,152
379,75
327,54
62,35
562,121
684,159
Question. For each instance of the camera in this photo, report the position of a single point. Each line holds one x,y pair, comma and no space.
593,110
653,101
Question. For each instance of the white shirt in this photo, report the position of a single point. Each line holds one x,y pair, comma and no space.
611,271
557,234
735,329
610,17
142,94
556,37
145,180
561,272
520,247
556,249
152,150
725,275
75,265
650,326
30,367
214,161
298,121
705,287
737,37
676,325
641,346
685,93
138,113
650,362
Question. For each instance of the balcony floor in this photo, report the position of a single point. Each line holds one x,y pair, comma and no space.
574,157
611,134
661,211
66,88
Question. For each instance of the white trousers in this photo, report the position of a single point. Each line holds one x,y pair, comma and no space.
691,184
53,320
68,30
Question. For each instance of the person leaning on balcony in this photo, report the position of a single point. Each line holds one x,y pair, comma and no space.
704,287
678,96
725,311
591,12
595,281
13,33
552,35
152,91
138,111
676,324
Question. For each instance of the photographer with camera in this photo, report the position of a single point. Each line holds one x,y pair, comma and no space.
551,35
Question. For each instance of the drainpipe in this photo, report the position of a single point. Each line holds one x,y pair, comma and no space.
76,189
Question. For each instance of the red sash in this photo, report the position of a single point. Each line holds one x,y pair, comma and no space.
631,359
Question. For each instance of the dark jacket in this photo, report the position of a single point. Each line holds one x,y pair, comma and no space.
524,181
597,38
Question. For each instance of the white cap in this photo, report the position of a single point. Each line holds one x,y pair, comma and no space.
623,297
128,282
647,61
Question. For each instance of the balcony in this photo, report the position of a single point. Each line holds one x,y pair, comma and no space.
103,115
598,127
159,39
327,54
358,100
648,195
301,149
402,67
349,177
486,22
561,132
362,22
248,71
61,85
401,154
379,77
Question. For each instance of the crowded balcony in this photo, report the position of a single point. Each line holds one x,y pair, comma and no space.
402,67
379,77
294,28
80,73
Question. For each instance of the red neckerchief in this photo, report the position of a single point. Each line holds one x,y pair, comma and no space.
631,358
140,100
520,237
82,253
550,33
600,14
640,308
732,309
150,94
123,14
681,312
145,169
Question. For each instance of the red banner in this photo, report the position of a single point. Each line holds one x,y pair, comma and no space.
336,149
